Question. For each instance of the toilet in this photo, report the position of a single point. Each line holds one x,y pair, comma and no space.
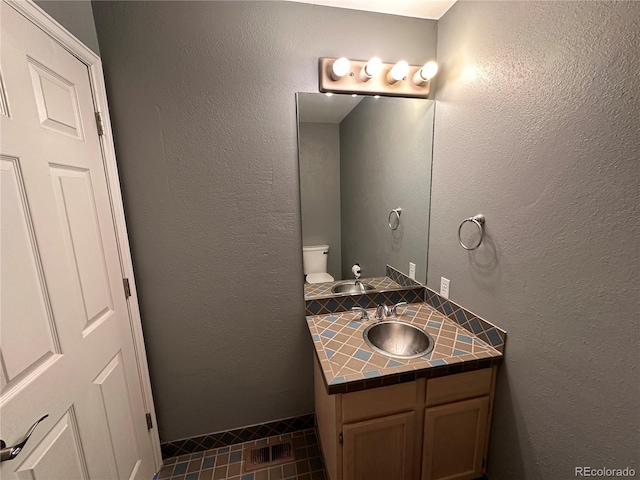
314,260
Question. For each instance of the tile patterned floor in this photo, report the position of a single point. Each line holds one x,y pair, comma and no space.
226,463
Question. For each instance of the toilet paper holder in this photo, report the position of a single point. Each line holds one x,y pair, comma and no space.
394,215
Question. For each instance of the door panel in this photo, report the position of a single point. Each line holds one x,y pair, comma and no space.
4,107
58,455
56,100
76,209
114,394
67,346
27,332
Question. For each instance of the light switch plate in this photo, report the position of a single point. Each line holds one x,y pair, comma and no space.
444,287
412,270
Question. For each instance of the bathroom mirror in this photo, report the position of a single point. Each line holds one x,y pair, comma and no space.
361,158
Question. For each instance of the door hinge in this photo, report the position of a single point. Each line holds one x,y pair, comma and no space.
99,124
127,287
149,421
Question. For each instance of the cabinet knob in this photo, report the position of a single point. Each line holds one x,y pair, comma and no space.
340,438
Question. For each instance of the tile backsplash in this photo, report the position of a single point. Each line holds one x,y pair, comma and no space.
414,292
323,306
313,290
399,277
411,293
488,332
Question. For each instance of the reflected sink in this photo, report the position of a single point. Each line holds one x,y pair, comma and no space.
398,339
351,287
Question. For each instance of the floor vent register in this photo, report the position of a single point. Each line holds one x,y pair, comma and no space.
261,456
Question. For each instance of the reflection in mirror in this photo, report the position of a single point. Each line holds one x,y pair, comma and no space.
361,158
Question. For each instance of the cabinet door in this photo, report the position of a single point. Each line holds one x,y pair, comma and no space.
380,449
454,440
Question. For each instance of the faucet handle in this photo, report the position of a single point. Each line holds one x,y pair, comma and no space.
394,309
363,313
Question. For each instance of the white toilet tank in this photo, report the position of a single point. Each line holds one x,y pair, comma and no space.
314,260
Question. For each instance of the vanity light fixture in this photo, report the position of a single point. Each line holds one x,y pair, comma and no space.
398,72
371,69
373,77
426,73
340,68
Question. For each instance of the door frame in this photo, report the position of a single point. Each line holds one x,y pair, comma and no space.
62,36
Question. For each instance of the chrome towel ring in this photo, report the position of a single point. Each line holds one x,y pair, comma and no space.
394,225
478,220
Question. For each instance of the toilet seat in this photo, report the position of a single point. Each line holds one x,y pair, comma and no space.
319,278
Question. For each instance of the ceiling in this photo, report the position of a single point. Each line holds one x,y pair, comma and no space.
429,9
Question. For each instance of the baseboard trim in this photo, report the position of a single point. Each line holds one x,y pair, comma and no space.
239,435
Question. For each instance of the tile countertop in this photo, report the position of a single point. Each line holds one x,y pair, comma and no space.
348,364
312,290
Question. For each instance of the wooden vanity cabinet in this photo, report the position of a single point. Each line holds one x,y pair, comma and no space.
456,425
428,429
371,434
380,448
454,439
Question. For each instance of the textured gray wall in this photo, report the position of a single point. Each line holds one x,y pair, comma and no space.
537,127
202,97
385,163
76,16
319,158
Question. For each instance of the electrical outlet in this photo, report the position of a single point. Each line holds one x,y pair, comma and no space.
412,270
444,287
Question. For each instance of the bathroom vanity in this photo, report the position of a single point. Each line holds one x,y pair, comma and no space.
424,429
364,161
386,418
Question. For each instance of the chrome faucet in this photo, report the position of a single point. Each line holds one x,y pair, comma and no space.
394,309
382,311
364,315
359,283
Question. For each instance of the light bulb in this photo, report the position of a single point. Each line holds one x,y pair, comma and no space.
372,68
426,73
329,94
354,95
399,71
340,68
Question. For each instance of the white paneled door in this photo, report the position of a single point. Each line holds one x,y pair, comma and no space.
67,349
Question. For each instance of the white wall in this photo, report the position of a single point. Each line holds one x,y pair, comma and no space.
76,16
202,97
538,128
385,151
319,158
